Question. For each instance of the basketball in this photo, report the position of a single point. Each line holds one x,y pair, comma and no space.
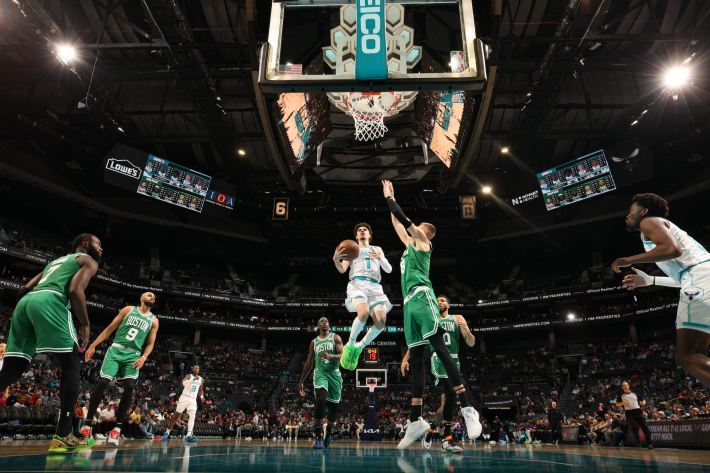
353,249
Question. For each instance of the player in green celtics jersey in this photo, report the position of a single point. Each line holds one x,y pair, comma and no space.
454,326
325,352
42,323
422,325
134,325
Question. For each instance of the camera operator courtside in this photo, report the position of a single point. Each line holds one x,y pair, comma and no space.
634,414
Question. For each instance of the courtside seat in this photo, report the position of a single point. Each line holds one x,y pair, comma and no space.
4,425
50,420
37,421
26,426
13,417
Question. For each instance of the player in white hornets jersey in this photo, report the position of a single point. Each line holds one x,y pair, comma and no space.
365,295
188,402
687,265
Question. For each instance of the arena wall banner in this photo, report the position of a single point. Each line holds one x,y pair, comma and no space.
546,297
499,402
570,433
672,434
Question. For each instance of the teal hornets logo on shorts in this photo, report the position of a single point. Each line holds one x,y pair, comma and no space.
371,46
691,293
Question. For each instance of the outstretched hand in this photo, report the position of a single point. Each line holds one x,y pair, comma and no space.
387,189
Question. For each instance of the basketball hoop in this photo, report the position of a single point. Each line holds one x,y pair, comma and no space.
372,383
368,111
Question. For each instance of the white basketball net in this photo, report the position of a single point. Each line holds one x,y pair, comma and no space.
369,111
372,384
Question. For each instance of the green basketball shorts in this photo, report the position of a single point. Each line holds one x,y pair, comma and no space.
437,367
118,364
421,316
41,323
331,381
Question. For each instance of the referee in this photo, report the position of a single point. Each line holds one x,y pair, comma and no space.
634,414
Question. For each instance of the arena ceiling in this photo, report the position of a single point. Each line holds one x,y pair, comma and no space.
566,77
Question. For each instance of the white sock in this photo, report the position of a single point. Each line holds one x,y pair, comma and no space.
369,336
357,328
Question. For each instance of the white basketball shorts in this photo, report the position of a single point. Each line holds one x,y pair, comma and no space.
694,303
186,404
369,293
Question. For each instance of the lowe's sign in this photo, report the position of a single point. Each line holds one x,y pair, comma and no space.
371,56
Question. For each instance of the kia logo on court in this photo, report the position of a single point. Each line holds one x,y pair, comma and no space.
123,166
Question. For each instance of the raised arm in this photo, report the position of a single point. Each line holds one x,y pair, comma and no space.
307,367
420,240
107,332
468,337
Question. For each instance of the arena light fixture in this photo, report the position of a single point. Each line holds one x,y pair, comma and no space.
219,98
676,77
121,129
634,122
570,316
486,189
241,152
504,150
65,54
480,302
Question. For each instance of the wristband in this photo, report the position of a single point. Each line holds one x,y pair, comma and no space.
144,358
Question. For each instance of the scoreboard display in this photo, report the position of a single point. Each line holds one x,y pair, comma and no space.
372,356
576,180
175,184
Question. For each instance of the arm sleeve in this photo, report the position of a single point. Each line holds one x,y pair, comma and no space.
398,214
668,282
385,264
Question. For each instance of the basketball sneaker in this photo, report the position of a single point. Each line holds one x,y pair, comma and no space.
166,436
99,436
473,426
448,447
317,445
415,431
426,441
86,432
350,356
190,438
113,438
70,443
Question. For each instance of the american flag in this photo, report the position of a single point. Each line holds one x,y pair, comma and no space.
292,69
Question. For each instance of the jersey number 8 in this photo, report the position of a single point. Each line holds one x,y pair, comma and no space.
132,334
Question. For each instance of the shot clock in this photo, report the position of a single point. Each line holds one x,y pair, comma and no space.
372,356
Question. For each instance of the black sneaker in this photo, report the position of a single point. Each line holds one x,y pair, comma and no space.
327,438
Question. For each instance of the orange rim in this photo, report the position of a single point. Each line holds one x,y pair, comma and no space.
396,103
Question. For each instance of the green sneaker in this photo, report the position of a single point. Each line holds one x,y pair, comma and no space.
70,443
351,354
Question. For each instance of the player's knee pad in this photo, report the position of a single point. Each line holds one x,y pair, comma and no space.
320,403
332,411
128,385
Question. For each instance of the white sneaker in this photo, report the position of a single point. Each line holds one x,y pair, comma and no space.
113,438
100,437
473,426
446,447
425,444
415,431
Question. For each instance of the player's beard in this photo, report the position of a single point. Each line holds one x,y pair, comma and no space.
149,304
443,311
94,254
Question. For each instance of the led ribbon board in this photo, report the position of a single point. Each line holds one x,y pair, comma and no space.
371,57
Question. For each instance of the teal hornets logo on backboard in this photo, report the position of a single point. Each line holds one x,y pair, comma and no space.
371,55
